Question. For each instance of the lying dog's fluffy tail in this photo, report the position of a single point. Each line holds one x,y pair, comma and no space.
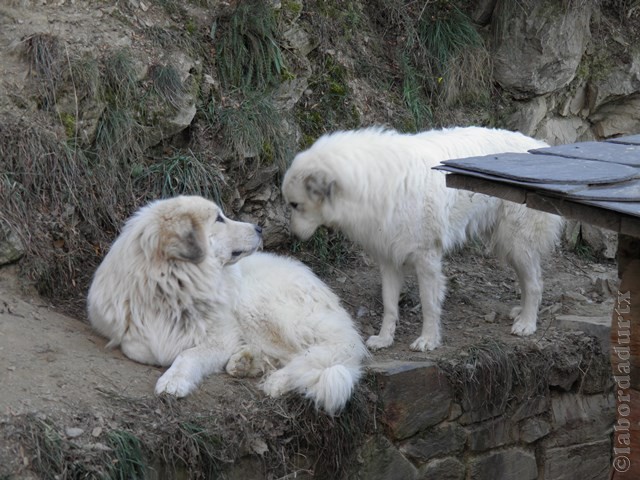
327,375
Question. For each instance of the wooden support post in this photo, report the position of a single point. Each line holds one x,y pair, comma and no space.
625,361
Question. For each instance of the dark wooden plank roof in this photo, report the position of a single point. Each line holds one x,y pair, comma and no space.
597,182
628,191
632,140
603,151
526,167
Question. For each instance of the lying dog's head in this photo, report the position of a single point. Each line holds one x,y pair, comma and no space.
189,228
309,191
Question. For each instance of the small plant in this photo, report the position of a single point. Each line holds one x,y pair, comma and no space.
193,447
329,106
188,39
326,249
443,58
128,462
47,61
48,447
118,137
173,7
166,82
444,30
249,57
252,128
120,80
85,74
414,95
182,174
583,249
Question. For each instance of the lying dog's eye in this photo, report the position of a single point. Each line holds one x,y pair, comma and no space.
293,205
220,218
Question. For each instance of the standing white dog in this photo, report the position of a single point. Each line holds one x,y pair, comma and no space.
378,187
180,288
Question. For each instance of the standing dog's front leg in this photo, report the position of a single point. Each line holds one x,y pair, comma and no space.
191,366
432,285
392,280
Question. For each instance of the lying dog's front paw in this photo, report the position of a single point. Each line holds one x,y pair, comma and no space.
240,364
173,382
422,344
376,342
276,384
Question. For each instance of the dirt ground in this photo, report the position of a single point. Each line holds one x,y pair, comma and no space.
54,367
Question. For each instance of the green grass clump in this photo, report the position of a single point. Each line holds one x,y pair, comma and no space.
128,459
444,31
119,78
326,250
118,137
48,448
414,94
253,128
249,56
167,84
85,76
330,106
442,58
197,450
182,174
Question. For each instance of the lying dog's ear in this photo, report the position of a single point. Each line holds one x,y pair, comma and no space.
319,187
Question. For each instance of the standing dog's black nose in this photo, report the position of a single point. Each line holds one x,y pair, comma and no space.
258,229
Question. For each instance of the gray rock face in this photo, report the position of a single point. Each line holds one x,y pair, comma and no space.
491,434
382,461
578,419
619,117
444,440
11,247
414,395
614,82
587,462
539,45
443,469
534,429
510,463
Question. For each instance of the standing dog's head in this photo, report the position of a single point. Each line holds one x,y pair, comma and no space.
309,191
190,228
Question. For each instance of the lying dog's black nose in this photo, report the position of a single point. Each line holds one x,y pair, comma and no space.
258,229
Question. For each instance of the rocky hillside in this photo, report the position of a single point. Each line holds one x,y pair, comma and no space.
106,104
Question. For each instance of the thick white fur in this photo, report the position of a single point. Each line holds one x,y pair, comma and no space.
181,287
378,187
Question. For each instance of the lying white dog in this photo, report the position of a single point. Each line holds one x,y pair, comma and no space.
377,186
182,286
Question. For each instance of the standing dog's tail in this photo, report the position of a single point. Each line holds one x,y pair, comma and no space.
327,375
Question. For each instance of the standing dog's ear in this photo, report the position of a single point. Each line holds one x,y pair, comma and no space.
319,187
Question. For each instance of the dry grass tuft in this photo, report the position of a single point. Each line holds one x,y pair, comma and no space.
47,61
64,206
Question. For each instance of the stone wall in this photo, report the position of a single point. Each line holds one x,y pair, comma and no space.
544,416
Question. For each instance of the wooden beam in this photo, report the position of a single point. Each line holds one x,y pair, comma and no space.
578,211
625,361
480,185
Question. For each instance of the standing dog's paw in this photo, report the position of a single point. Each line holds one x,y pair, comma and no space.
523,327
376,342
174,382
422,343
